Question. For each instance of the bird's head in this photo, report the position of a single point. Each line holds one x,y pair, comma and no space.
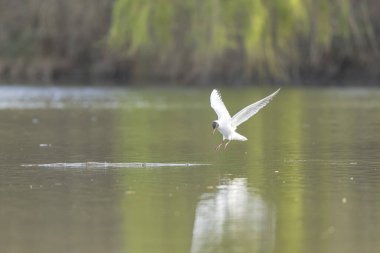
214,125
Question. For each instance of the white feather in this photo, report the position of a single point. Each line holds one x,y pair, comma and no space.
251,110
218,106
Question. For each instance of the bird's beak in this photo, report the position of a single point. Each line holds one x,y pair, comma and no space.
213,131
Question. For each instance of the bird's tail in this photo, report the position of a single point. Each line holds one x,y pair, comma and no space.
239,137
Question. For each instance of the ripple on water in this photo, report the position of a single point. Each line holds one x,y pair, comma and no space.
95,165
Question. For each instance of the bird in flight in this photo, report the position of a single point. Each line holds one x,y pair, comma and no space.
226,124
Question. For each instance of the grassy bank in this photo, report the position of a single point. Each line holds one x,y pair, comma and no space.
189,42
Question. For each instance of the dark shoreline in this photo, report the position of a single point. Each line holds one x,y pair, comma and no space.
69,82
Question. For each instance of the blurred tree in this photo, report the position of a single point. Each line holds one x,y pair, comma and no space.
245,38
229,41
43,38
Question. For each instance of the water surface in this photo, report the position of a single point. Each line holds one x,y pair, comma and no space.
135,170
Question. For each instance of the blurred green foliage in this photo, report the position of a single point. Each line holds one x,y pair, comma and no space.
46,39
209,38
188,40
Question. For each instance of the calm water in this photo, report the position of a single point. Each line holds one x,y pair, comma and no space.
122,170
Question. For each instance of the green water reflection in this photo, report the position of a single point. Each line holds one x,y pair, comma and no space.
306,180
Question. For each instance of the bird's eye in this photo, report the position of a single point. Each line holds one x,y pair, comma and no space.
214,125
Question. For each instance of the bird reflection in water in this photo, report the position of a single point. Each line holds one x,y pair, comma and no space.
233,219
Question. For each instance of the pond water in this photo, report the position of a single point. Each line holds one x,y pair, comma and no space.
135,170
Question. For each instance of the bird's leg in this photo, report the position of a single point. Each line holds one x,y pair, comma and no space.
225,146
218,147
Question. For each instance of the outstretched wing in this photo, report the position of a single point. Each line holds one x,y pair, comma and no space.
251,110
218,105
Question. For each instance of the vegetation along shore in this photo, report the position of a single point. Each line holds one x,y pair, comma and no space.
190,42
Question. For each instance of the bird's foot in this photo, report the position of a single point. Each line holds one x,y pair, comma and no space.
218,147
225,146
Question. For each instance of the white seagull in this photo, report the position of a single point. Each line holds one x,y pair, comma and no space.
226,124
